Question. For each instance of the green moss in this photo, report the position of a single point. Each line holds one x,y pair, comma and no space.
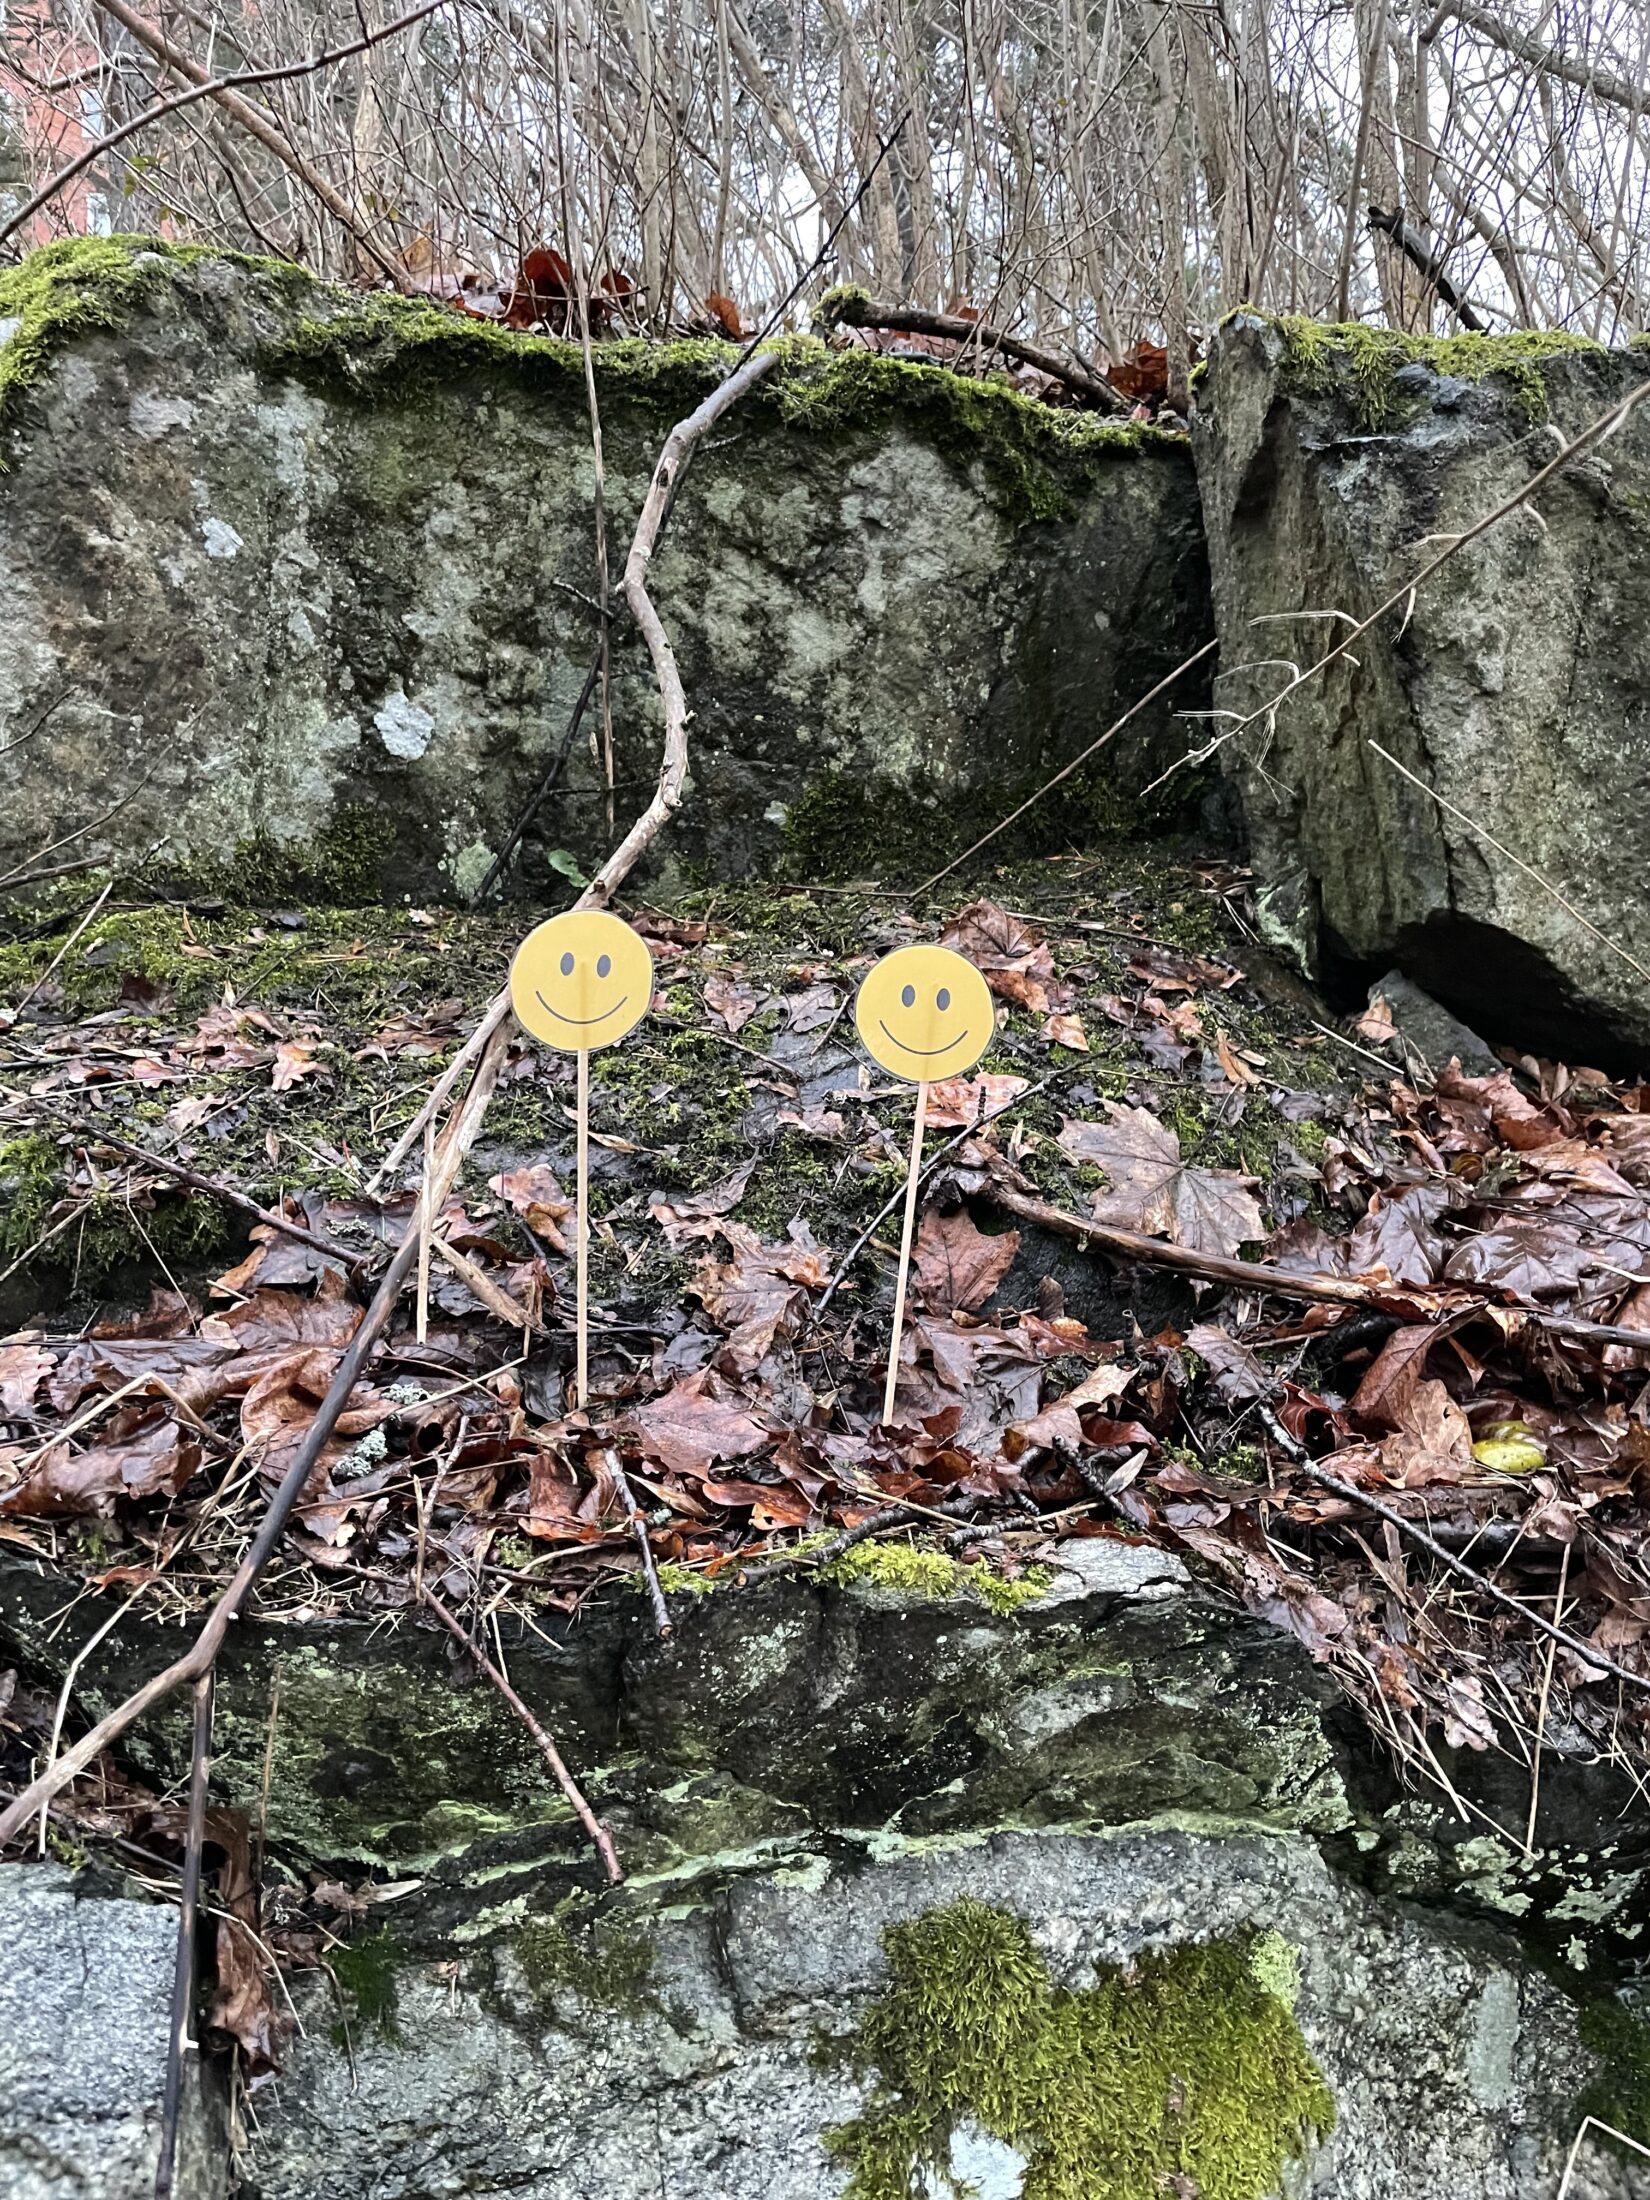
910,1570
600,1959
365,1969
1182,2071
1620,2093
80,284
831,831
1034,456
682,1581
1321,357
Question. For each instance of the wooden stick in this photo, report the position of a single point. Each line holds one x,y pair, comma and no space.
551,1754
853,310
912,1176
1541,1707
581,1238
1254,1275
179,2038
638,1528
426,1231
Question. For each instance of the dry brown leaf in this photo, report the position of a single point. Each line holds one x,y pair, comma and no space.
957,1103
956,1266
1152,1190
534,1194
690,1428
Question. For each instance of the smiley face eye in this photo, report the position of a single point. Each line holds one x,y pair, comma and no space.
942,999
604,964
567,966
908,994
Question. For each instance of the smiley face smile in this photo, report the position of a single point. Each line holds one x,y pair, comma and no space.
906,1047
561,1019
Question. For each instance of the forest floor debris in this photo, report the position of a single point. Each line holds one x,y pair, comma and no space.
151,1396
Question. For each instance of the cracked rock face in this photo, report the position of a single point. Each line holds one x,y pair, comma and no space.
259,595
1121,1764
1452,2067
1517,689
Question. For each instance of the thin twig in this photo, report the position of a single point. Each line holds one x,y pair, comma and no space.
1112,731
1541,1705
180,2040
638,1527
552,1755
96,1134
209,89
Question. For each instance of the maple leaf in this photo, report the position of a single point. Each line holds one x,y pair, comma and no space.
1061,1423
732,1003
1237,1372
1432,1442
1067,1031
1011,954
956,1264
1152,1190
22,1363
757,1293
143,1453
697,1214
534,1194
690,1428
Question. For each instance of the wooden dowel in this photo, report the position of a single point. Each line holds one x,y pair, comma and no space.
582,1238
911,1182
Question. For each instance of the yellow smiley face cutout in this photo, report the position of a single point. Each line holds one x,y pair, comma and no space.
581,980
924,1012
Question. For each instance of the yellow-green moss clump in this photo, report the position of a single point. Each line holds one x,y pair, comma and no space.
910,1570
1185,2067
1320,357
79,284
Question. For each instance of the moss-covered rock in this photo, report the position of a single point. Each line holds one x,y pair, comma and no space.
304,581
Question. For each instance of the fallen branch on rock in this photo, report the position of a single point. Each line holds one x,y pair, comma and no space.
852,309
1254,1275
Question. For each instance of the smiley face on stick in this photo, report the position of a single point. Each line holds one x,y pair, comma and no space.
924,1012
582,980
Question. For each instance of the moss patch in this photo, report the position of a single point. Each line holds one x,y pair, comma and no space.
79,284
910,1570
1034,456
365,1969
599,1959
1620,2094
1322,357
1183,2067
